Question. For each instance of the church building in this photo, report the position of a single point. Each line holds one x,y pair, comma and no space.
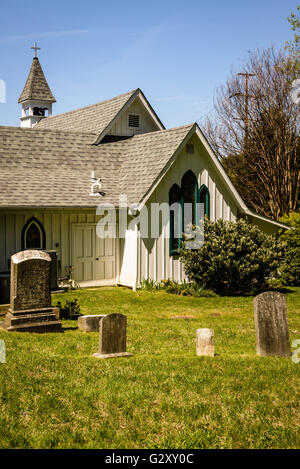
55,170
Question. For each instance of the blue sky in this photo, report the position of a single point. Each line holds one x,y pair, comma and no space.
177,52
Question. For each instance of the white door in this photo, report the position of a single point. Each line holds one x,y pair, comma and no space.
93,259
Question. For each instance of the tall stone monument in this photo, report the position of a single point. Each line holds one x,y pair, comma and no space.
112,343
271,325
30,298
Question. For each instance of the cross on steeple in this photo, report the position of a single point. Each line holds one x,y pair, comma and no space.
36,48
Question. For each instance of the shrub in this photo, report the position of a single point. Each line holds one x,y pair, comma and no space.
171,286
236,257
149,285
290,267
188,289
71,310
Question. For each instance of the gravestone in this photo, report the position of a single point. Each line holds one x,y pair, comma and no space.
53,270
271,325
112,340
2,352
205,342
4,288
89,323
30,298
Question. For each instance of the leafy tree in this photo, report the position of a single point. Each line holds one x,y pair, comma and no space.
245,180
255,133
290,267
294,45
236,257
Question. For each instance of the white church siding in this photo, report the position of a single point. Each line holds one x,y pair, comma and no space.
146,122
57,225
156,262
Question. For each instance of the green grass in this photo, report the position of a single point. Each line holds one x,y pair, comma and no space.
54,394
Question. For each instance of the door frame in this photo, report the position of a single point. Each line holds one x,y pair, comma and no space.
95,283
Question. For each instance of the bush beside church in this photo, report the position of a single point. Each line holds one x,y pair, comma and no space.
236,257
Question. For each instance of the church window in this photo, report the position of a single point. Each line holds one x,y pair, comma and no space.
175,218
33,235
189,188
190,148
204,199
185,208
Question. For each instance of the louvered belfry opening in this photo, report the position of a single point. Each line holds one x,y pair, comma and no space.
133,120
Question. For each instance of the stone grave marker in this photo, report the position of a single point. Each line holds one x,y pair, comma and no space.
89,323
205,342
112,340
2,352
271,325
30,298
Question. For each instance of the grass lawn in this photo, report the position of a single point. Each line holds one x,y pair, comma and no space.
54,394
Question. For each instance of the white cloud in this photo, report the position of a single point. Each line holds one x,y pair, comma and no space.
62,33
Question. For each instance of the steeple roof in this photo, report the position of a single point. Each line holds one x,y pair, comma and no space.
36,87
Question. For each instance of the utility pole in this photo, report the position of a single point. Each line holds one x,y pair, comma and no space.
246,75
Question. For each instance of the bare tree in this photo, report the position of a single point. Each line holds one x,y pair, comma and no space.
256,132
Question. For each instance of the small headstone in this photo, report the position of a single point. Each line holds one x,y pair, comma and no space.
271,325
89,323
30,299
112,341
2,352
205,342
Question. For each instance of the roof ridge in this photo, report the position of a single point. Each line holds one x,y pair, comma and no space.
130,140
186,126
35,130
92,105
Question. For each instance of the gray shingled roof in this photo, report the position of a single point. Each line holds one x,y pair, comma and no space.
94,118
145,158
36,86
47,168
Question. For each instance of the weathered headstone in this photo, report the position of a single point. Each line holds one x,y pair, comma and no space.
30,299
205,342
271,325
89,323
112,341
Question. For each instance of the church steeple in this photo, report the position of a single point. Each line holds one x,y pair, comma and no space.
36,97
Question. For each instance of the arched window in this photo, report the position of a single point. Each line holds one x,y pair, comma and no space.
189,189
33,235
204,199
175,218
187,199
